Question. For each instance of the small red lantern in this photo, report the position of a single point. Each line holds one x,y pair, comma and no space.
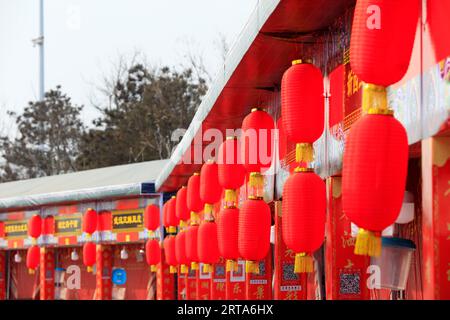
194,202
33,257
302,107
254,232
165,216
172,219
231,171
151,217
257,140
207,246
304,210
90,221
375,165
191,246
169,250
382,39
210,189
227,236
182,209
35,226
48,225
89,255
152,254
180,251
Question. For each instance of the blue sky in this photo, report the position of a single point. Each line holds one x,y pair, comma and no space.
84,39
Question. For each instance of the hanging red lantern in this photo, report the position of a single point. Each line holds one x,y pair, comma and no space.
35,227
165,216
169,250
191,246
382,39
207,246
90,219
180,251
182,209
153,254
194,202
254,232
172,218
151,217
227,236
303,222
33,257
257,140
210,189
231,171
302,109
375,165
89,255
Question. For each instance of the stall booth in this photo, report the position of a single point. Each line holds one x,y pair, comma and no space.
415,259
118,196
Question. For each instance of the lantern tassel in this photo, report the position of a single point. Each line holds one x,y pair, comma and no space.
153,268
194,218
172,269
230,195
184,268
231,265
207,268
209,208
368,243
31,271
304,152
90,269
252,267
194,265
303,263
172,229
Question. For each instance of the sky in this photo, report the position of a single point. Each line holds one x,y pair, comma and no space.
85,38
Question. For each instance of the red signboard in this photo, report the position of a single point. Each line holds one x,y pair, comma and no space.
165,282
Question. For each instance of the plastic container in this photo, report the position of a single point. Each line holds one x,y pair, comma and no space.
395,262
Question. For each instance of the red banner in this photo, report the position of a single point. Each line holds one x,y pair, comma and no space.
181,285
47,274
235,283
218,280
203,284
259,286
191,285
165,282
104,270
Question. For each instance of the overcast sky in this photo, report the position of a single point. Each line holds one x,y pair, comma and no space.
85,37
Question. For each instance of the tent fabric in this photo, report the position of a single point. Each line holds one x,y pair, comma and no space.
116,181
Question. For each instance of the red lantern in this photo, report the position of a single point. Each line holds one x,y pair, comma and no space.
231,171
210,189
254,232
151,217
374,173
304,210
90,221
194,202
152,254
89,255
48,225
169,250
35,226
172,218
33,257
207,246
227,235
180,251
165,216
382,39
191,246
182,209
257,140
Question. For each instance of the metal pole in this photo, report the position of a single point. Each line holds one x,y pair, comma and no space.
41,50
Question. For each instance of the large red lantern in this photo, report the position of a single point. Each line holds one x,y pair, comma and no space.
152,254
89,255
382,39
165,216
180,251
183,212
172,218
207,246
151,217
254,232
194,202
169,250
210,189
90,220
35,227
374,173
304,210
257,140
302,107
227,236
33,257
231,170
191,246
